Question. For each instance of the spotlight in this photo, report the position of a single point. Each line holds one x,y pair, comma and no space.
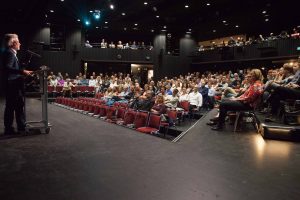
97,14
112,6
87,22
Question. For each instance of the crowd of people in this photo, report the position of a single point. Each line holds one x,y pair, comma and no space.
242,90
240,41
119,45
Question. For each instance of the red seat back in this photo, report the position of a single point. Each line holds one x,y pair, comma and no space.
141,119
154,121
129,117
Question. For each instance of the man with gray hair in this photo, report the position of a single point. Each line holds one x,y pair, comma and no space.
14,85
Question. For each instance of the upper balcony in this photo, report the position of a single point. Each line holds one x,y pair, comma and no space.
274,49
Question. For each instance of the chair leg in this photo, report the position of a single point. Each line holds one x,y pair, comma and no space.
236,121
255,124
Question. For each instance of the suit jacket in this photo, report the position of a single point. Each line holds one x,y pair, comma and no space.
11,66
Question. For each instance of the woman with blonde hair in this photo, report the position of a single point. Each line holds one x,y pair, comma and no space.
246,101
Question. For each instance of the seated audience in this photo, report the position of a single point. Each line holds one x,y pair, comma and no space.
67,88
172,100
247,101
290,90
159,107
195,99
87,44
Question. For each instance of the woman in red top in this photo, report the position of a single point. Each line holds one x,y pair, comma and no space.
246,101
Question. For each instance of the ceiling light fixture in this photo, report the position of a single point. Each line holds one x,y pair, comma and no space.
267,20
264,12
106,22
208,4
123,14
237,26
186,6
78,20
52,11
224,21
135,24
145,3
112,6
97,14
157,16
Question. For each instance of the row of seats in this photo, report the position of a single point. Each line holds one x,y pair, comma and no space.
120,114
54,91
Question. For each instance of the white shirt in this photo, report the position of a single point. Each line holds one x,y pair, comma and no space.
211,92
195,99
183,97
92,82
53,82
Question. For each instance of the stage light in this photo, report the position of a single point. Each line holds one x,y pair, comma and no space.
157,16
145,3
186,6
87,22
78,20
97,14
123,14
112,6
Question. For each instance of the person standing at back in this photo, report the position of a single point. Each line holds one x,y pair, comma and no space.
14,85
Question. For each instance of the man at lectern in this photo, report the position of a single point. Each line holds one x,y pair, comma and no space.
14,85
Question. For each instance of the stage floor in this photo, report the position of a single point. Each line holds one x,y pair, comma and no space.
86,158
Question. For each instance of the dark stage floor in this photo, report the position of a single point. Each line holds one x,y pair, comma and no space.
85,158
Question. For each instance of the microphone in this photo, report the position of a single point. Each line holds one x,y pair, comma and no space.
34,54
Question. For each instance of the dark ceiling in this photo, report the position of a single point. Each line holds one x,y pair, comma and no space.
220,18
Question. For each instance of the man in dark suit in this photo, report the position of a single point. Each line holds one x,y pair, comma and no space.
14,85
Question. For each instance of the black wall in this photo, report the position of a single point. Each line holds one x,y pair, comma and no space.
170,65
